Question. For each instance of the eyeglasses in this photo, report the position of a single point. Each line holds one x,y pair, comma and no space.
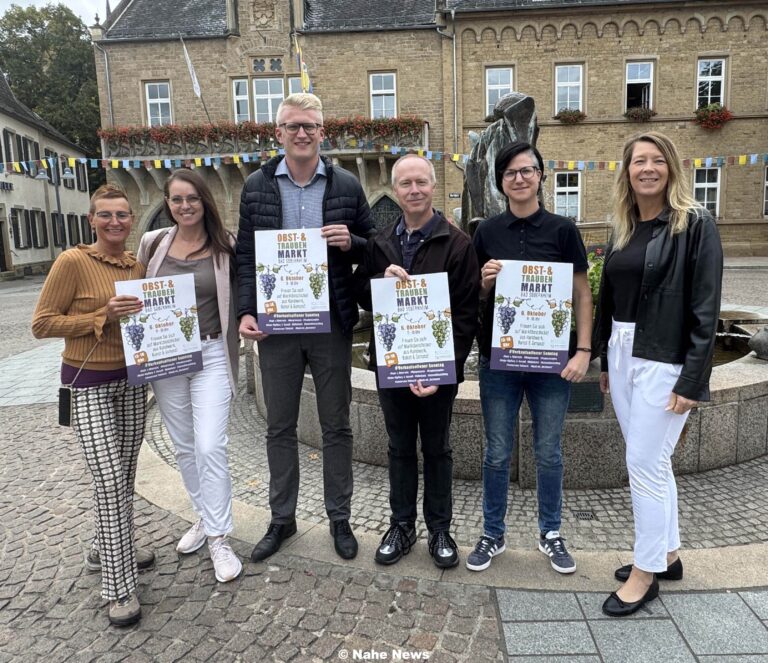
178,201
526,173
293,127
107,216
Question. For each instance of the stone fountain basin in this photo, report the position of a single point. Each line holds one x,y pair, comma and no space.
731,428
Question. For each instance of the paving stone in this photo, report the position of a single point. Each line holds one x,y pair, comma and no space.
717,623
649,641
758,601
534,638
524,606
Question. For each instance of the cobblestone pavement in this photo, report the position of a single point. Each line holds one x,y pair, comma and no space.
293,610
717,508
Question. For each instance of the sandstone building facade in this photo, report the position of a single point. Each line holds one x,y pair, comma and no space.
447,61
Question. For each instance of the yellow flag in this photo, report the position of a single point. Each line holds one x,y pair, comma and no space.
17,166
742,159
157,163
273,153
571,165
236,158
454,157
71,162
198,161
697,163
421,153
611,165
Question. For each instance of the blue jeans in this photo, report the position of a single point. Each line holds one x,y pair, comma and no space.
501,394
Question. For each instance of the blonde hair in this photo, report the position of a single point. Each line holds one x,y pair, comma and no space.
108,192
677,196
303,100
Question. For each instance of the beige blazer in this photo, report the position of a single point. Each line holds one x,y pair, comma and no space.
226,293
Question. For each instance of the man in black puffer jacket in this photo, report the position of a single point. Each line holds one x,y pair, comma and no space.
303,190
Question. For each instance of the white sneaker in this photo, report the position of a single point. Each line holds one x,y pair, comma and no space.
192,540
226,565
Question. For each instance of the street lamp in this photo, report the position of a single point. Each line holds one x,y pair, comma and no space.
67,176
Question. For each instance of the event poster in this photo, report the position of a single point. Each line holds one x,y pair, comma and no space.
292,281
412,331
532,316
164,339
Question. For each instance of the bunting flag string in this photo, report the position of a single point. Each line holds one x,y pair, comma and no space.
153,162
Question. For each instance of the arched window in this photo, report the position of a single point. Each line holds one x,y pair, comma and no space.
384,212
159,220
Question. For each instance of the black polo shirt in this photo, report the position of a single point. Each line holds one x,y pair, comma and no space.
541,236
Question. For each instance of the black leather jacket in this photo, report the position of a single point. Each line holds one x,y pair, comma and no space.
679,306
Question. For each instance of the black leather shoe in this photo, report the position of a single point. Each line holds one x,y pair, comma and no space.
273,539
615,607
343,539
674,572
443,549
398,541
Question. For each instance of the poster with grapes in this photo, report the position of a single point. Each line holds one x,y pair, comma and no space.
532,316
412,331
164,339
292,281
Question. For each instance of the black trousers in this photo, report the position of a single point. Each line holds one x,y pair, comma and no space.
408,417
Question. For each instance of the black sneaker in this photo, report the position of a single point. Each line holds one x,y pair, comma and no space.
443,549
553,545
486,549
398,541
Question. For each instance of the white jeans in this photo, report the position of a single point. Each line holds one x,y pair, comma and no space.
640,391
195,411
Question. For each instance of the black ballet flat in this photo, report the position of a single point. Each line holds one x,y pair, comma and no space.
674,572
615,607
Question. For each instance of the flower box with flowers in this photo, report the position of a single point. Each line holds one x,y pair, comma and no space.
639,114
570,116
713,116
227,137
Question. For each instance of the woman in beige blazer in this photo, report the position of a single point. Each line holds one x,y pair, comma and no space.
195,407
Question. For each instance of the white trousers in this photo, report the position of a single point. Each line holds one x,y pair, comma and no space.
195,411
640,391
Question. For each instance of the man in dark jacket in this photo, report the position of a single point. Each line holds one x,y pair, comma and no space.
422,241
303,190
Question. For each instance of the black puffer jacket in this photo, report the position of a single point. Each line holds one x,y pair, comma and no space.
343,203
679,306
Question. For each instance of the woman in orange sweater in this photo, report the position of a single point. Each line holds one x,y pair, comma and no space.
78,303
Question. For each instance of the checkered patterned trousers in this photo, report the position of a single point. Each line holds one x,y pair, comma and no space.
109,421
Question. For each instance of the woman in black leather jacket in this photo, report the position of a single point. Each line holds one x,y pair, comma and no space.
656,322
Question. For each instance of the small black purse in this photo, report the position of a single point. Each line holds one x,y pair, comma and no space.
65,394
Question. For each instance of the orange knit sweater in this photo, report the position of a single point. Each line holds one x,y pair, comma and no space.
73,305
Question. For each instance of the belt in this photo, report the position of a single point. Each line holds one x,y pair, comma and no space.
210,337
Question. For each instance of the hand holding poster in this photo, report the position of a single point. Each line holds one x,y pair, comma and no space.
532,316
412,331
292,280
164,339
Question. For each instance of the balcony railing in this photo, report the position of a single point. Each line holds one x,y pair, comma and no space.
341,134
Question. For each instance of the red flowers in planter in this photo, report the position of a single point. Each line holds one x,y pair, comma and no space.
713,116
253,132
